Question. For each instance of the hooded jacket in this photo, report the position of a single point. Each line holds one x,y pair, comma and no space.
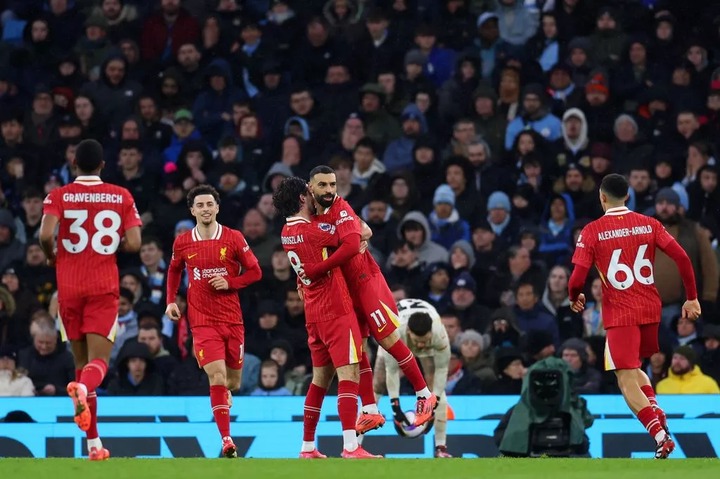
114,103
210,104
556,243
151,385
14,250
694,382
429,251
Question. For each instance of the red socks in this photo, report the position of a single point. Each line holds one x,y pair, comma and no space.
650,394
220,409
92,376
649,419
311,411
409,366
347,404
93,373
367,395
92,433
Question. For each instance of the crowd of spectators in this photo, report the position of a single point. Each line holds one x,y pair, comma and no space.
471,135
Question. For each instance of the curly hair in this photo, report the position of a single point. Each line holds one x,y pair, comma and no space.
287,197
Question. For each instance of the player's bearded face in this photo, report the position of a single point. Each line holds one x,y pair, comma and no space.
324,189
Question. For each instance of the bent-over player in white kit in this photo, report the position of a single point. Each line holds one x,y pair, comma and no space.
425,335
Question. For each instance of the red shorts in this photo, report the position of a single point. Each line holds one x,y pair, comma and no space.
375,309
337,342
627,346
88,315
220,342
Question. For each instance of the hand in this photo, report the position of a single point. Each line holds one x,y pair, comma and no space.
172,311
308,272
48,390
691,309
225,116
363,246
579,304
51,260
398,414
219,283
300,293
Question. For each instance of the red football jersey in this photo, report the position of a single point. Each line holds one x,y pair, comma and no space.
622,245
361,267
307,242
225,254
93,219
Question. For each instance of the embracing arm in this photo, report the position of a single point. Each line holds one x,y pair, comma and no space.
349,247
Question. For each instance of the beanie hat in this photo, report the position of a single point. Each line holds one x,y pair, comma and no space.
688,352
577,345
597,84
444,194
669,195
498,200
504,356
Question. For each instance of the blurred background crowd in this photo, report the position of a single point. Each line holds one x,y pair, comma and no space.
471,135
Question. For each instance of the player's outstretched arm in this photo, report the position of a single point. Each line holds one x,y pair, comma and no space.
47,237
349,247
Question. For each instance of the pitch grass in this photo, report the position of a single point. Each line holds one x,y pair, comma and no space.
122,468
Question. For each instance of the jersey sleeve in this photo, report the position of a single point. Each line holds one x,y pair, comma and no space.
131,217
346,220
245,254
584,248
52,204
662,237
174,274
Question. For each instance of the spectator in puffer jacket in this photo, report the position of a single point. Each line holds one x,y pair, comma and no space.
446,225
399,153
212,110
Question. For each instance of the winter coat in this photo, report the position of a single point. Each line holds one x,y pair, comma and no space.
694,382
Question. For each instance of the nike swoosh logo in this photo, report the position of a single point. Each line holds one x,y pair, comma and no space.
380,330
191,256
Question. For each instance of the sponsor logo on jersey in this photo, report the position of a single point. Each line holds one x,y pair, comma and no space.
580,244
223,253
343,214
196,274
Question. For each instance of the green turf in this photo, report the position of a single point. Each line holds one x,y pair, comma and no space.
371,469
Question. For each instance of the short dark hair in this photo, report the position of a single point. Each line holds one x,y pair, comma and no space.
402,243
338,161
286,199
152,240
615,186
202,190
131,145
420,323
89,155
524,282
321,170
153,326
366,142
